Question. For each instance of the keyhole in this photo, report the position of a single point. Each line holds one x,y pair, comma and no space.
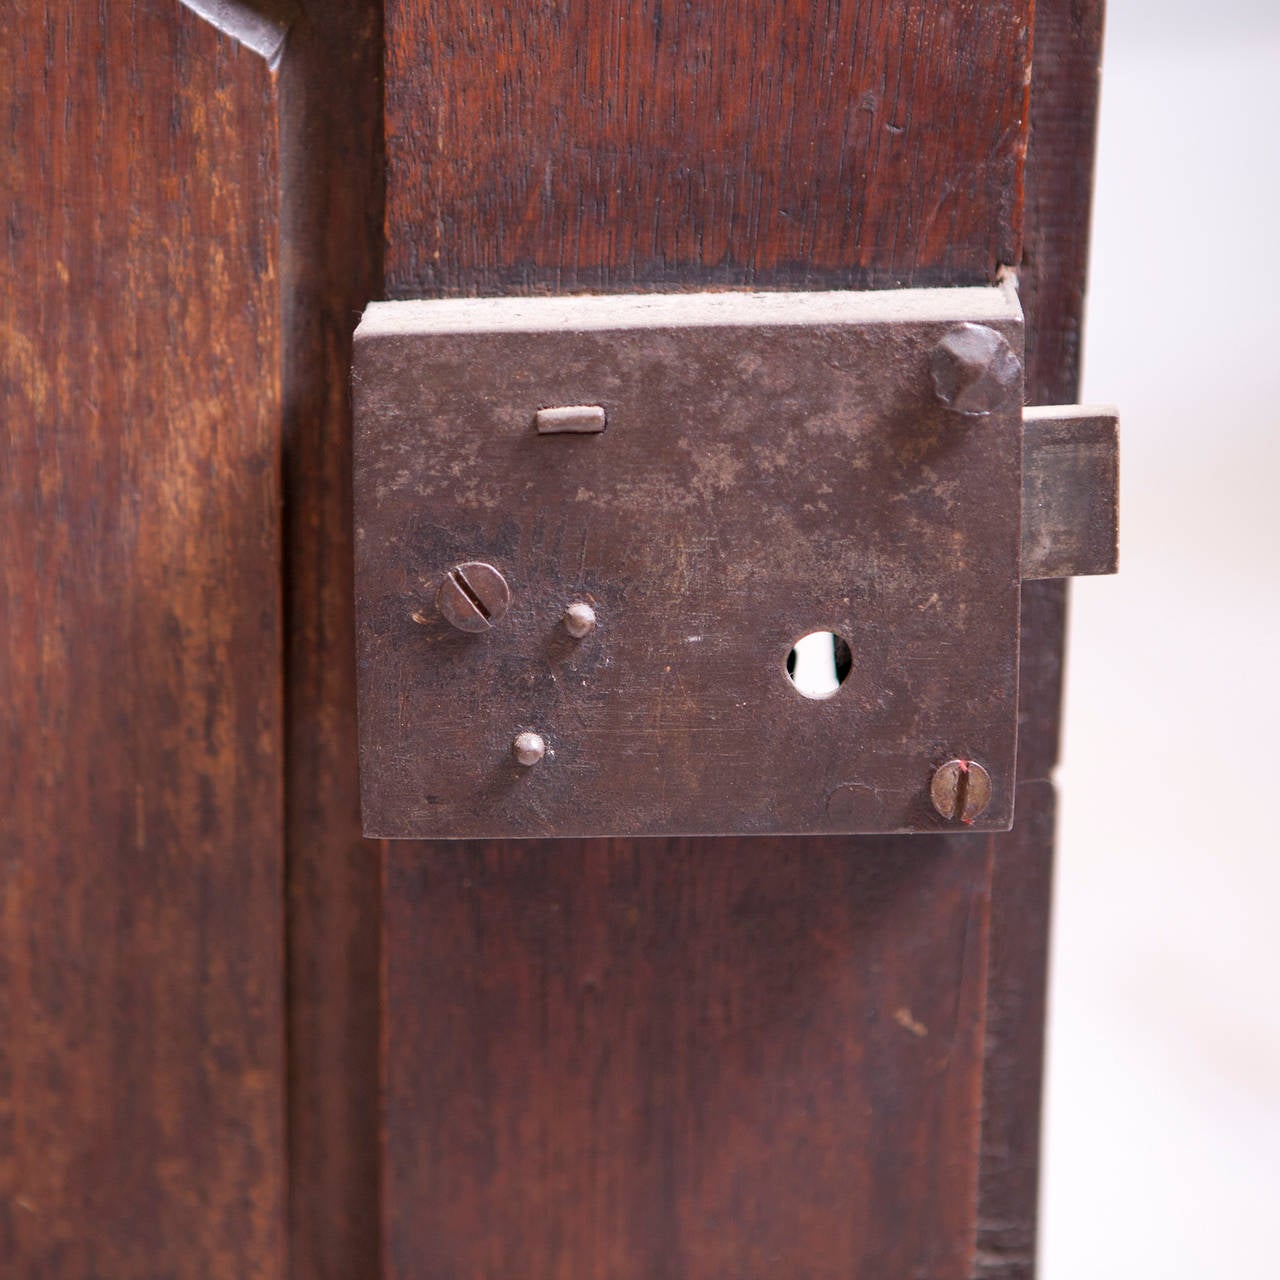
818,663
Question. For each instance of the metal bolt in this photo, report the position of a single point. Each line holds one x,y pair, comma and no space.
528,748
579,619
960,790
473,596
974,370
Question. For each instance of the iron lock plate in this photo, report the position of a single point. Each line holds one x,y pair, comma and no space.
770,465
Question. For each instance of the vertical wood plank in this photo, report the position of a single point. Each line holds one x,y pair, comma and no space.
140,691
332,235
589,1067
1059,184
683,1059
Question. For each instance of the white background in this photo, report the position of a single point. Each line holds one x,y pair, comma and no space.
1162,1154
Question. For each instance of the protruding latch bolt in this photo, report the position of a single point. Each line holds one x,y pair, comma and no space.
961,790
579,619
473,596
529,748
975,370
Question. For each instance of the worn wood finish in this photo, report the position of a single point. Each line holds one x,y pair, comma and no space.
332,234
141,1068
612,984
1063,119
703,1059
141,990
550,146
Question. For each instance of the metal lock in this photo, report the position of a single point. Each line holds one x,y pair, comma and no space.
591,531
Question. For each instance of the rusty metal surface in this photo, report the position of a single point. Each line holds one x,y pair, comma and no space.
1070,492
773,465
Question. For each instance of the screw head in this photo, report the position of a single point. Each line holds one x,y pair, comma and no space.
579,619
529,748
960,790
975,370
473,596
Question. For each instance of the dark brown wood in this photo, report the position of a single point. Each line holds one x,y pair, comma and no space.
1070,492
141,992
332,210
145,276
684,1059
538,145
566,1130
1064,103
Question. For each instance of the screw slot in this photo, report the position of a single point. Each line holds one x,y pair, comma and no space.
460,581
960,790
473,596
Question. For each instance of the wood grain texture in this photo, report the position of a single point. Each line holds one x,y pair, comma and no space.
684,1059
1064,104
332,234
529,1118
141,988
558,146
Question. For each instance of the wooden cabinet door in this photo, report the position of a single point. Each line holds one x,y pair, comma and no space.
239,1040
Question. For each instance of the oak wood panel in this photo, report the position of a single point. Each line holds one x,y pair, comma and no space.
140,691
513,1128
551,145
684,1059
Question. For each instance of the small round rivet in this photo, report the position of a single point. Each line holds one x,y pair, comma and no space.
960,790
579,619
528,748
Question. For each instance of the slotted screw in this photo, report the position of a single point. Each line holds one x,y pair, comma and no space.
473,596
960,790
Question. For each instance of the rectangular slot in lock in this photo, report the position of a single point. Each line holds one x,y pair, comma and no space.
577,419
